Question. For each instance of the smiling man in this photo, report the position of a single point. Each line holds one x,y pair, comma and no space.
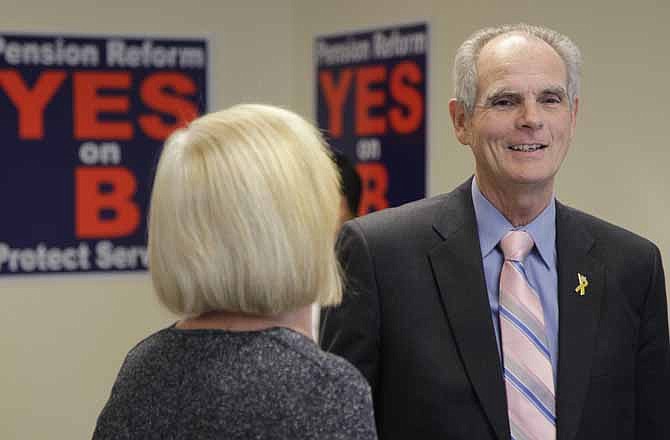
494,311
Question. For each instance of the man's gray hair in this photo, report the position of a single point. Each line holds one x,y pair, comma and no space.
465,62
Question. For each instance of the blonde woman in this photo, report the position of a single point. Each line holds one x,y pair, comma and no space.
242,224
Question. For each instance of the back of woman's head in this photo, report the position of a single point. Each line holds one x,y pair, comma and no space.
243,215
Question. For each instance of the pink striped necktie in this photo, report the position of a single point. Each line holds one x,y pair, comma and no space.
529,380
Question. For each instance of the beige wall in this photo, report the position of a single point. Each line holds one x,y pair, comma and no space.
62,339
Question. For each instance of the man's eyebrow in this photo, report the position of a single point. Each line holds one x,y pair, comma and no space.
501,92
550,90
554,90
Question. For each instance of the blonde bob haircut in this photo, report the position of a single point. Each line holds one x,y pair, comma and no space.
244,213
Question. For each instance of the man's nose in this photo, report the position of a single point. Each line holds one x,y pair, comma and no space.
531,116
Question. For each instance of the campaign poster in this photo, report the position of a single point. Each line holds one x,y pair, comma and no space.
371,105
82,122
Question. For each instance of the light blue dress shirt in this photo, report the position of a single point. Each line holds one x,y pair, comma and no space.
540,263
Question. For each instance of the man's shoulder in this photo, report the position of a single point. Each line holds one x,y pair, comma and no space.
420,214
417,211
607,234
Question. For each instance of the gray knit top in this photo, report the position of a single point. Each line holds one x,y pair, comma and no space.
216,384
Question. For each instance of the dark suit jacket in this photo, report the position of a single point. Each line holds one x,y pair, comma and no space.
416,321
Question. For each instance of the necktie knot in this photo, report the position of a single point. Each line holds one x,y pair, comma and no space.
516,245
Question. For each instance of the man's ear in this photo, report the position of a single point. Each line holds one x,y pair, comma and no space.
459,120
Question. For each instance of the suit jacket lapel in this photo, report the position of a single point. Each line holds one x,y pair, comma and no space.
578,318
457,265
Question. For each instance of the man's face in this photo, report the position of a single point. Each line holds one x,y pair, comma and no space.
522,123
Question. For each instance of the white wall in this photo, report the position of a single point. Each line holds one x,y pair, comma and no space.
62,339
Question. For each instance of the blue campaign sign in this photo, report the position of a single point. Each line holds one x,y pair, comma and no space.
82,120
371,103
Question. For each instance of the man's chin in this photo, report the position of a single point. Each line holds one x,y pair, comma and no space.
533,183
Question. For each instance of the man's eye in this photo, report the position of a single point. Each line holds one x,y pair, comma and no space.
503,102
551,100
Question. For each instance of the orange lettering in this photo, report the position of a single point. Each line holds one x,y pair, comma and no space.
375,179
30,103
336,95
88,105
366,99
154,95
91,201
408,120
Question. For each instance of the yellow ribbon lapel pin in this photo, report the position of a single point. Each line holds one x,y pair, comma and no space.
583,284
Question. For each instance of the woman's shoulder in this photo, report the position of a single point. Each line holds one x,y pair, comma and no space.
329,367
335,397
153,344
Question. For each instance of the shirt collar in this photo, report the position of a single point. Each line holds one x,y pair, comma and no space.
492,227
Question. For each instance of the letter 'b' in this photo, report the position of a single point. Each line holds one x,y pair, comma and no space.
375,179
91,201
